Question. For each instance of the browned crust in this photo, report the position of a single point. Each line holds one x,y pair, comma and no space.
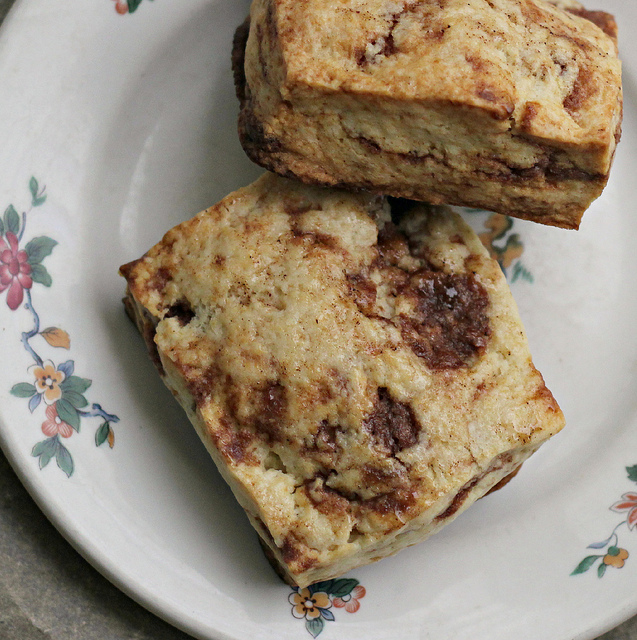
605,21
458,500
143,321
549,173
274,563
238,57
504,481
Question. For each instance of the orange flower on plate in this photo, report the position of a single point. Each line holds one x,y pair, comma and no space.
48,380
616,557
308,605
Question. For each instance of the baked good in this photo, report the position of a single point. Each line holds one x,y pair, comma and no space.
358,383
509,105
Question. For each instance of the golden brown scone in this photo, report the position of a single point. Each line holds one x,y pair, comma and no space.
358,384
509,105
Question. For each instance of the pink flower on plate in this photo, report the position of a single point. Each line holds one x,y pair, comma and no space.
628,503
54,424
351,601
15,270
121,6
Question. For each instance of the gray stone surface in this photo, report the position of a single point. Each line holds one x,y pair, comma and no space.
49,592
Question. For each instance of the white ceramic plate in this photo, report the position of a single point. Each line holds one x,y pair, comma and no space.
116,125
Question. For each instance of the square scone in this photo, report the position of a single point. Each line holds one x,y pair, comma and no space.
509,105
358,383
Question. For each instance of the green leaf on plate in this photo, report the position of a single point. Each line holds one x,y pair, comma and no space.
45,458
585,564
64,459
343,587
68,413
324,586
11,220
33,187
315,626
77,384
40,275
39,248
37,196
23,390
76,399
133,4
520,271
45,450
632,473
101,434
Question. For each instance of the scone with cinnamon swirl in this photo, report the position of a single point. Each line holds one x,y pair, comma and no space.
509,105
358,382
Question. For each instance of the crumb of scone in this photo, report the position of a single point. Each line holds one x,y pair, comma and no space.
358,381
513,106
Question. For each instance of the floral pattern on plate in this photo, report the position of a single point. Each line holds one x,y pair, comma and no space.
503,245
314,603
613,555
53,387
126,6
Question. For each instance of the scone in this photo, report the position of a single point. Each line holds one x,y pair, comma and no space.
358,384
509,105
